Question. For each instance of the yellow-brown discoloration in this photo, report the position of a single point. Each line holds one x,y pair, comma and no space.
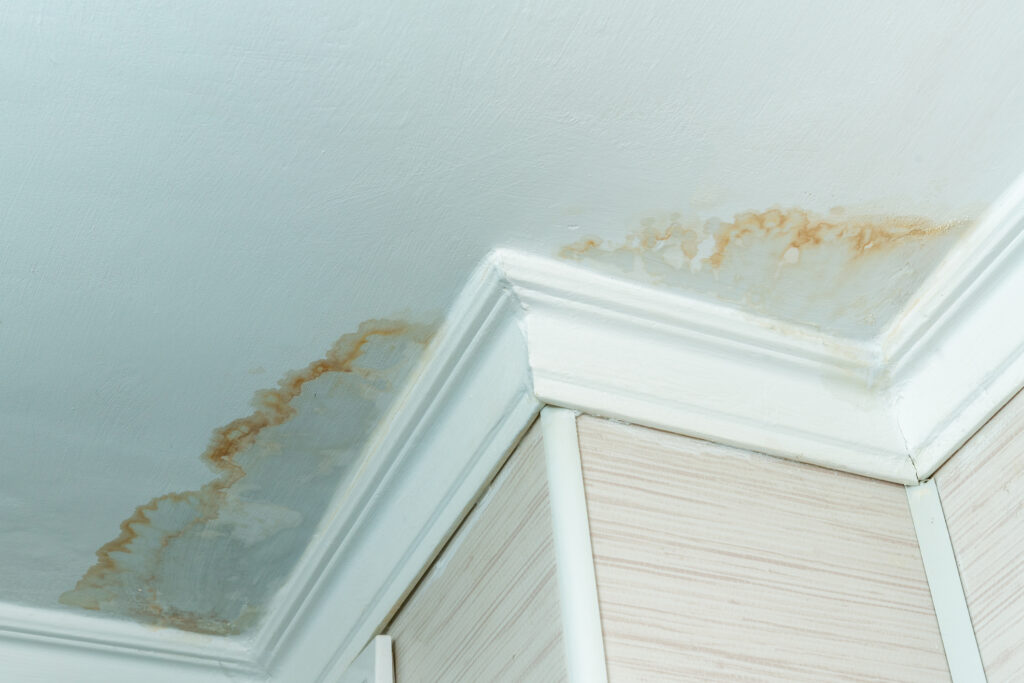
798,228
783,261
123,581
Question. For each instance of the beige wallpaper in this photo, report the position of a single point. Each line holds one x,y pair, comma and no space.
719,564
488,610
982,493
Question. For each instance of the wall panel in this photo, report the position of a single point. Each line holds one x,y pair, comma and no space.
982,493
488,610
717,563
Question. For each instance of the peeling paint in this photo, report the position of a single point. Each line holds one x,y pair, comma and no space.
848,275
210,560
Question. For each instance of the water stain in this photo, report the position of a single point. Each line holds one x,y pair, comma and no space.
847,275
210,560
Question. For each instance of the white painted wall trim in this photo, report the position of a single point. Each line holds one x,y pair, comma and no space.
956,355
894,409
620,350
375,664
60,645
940,567
574,557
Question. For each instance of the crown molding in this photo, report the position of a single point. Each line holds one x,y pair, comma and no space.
629,352
59,645
528,331
956,354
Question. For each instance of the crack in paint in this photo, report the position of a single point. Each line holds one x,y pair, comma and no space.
155,570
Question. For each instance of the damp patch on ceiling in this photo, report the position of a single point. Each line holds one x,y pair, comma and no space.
210,560
845,275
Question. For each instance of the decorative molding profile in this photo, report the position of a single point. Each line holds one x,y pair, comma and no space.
658,359
895,408
956,354
62,645
528,331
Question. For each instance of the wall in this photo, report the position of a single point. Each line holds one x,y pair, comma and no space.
488,609
982,493
716,563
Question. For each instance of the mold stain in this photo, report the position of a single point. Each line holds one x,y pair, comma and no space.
209,560
847,275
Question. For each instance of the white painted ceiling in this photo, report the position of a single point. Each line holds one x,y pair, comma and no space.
197,198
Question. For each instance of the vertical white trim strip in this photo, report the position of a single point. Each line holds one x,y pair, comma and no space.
574,556
383,660
954,619
373,665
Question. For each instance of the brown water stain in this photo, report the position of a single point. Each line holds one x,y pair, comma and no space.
799,227
838,272
124,583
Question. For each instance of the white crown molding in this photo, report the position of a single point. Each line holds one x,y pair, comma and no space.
61,645
625,351
956,354
528,331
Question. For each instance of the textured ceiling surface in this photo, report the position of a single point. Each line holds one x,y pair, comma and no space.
197,199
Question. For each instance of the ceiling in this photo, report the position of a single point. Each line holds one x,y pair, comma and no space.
198,200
